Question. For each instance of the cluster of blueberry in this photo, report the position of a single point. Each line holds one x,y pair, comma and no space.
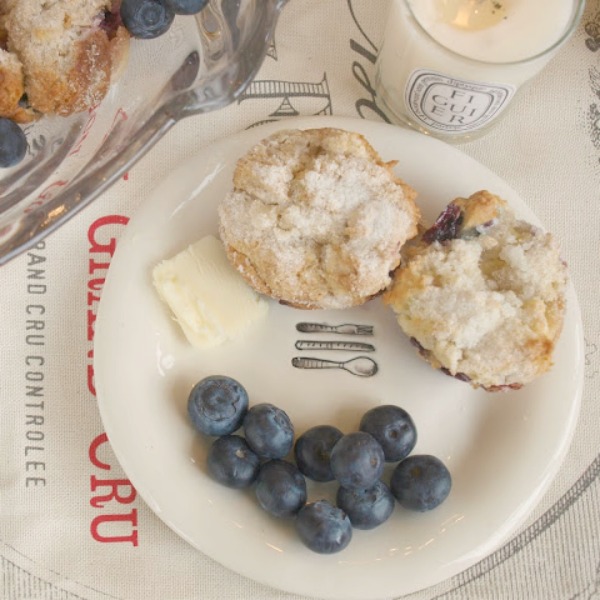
147,19
144,19
219,406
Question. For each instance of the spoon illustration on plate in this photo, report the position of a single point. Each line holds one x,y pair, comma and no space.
362,366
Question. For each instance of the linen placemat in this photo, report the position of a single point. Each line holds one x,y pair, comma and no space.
71,525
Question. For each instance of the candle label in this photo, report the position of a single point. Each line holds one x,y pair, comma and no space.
454,105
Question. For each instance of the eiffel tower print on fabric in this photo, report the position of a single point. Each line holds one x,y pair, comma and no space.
592,42
291,98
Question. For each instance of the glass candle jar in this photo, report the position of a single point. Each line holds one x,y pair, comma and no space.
450,68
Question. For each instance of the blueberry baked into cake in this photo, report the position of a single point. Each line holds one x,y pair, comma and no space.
481,294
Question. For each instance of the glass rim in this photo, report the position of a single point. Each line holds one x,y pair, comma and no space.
577,13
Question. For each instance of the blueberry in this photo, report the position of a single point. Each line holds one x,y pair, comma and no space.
280,488
313,449
269,431
447,226
420,482
146,19
186,7
13,143
232,463
366,509
357,460
393,428
323,527
217,405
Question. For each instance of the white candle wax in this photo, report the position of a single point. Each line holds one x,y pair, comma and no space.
495,31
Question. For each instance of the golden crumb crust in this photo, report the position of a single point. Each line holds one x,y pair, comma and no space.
316,218
57,57
12,89
482,294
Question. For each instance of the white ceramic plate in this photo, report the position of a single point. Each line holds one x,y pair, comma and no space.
502,449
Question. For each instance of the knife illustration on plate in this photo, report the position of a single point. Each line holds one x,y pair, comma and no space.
344,328
327,345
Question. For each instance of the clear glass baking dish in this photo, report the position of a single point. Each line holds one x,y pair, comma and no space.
201,64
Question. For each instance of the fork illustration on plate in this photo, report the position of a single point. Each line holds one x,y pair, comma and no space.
344,328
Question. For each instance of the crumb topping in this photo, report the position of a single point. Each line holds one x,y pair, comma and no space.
65,54
318,217
489,306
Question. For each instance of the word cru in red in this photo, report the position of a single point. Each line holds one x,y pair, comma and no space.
112,527
114,493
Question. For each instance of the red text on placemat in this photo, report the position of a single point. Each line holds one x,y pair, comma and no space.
113,493
100,254
112,496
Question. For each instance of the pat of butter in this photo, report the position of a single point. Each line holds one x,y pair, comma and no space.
208,298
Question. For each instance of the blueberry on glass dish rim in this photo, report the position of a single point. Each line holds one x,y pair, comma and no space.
13,143
217,405
146,19
186,7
